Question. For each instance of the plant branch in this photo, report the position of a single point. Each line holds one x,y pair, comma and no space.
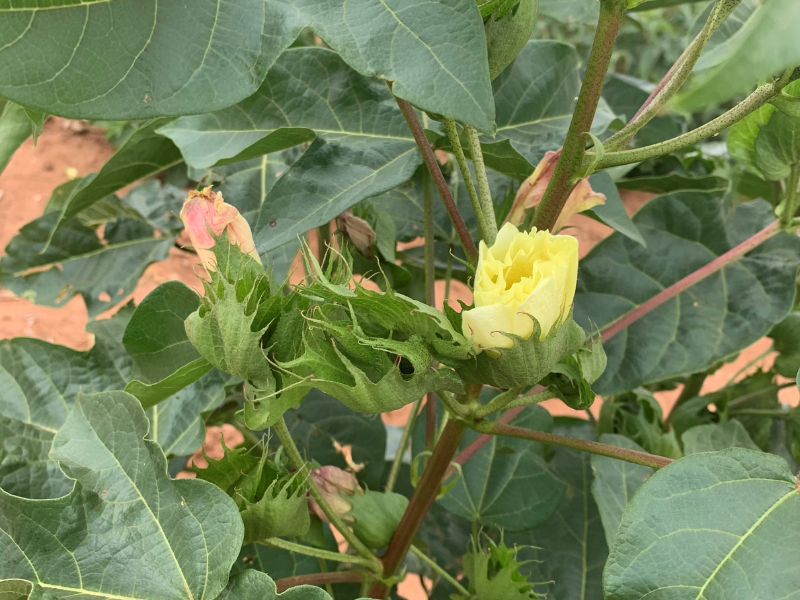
675,77
424,494
571,160
285,437
438,179
401,448
688,281
319,579
318,552
497,403
632,456
461,159
753,102
432,564
487,205
761,412
691,388
791,196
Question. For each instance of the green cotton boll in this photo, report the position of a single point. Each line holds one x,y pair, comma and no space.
508,32
375,516
528,361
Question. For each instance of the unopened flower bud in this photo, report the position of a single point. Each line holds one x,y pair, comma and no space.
334,484
530,193
206,215
358,232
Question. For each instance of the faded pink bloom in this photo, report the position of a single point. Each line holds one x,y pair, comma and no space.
333,482
530,193
206,213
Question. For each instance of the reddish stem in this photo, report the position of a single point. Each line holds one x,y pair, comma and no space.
430,420
319,579
429,157
424,494
688,281
664,81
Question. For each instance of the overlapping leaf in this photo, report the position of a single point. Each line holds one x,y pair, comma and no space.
615,483
712,319
114,60
507,483
569,548
364,145
125,529
535,99
76,261
712,522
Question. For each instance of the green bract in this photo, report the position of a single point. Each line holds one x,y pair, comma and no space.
272,502
494,574
375,516
528,361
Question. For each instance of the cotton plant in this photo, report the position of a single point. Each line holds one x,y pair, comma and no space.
297,144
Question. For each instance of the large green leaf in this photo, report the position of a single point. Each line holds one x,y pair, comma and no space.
615,483
717,436
178,423
714,318
39,381
363,148
765,44
433,53
115,60
15,128
777,146
77,261
255,585
324,427
569,549
25,469
126,529
710,525
535,98
141,154
155,335
507,483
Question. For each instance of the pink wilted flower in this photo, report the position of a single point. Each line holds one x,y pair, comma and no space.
332,483
530,193
205,213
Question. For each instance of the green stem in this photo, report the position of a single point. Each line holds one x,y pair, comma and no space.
674,79
749,364
318,552
761,412
473,139
690,389
470,249
791,196
461,159
432,564
744,399
498,402
430,248
391,480
571,159
448,274
285,437
753,102
632,456
424,494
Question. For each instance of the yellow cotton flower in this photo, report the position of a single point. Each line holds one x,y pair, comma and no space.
523,275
